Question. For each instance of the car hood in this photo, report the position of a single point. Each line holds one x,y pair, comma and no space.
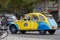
52,22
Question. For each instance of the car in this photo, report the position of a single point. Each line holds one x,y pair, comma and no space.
8,18
34,22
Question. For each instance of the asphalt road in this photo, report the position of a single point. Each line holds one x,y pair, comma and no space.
33,36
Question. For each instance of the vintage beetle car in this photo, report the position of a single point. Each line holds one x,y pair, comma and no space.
34,22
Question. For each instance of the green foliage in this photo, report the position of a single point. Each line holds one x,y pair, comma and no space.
17,5
21,4
3,4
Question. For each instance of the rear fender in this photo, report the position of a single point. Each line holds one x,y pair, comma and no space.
43,26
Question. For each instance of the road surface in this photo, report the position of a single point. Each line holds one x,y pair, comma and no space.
33,36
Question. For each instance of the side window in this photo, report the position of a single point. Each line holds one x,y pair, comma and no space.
42,18
27,18
34,18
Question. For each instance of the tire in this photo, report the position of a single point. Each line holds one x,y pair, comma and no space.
51,31
13,29
42,32
4,34
23,32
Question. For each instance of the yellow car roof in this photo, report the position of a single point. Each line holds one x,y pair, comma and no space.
34,14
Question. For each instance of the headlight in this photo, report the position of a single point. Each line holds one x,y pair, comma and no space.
41,18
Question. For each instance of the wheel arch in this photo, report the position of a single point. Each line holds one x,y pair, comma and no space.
14,25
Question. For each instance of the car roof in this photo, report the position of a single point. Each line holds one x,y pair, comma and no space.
34,14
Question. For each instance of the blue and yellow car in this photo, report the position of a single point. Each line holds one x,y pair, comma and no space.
34,22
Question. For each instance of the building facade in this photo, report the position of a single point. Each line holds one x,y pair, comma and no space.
51,6
59,9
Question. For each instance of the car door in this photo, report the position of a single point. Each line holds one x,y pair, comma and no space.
25,23
34,24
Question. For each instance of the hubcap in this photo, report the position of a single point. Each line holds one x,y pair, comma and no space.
12,28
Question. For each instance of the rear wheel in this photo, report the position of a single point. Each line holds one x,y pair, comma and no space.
51,31
13,29
42,32
23,32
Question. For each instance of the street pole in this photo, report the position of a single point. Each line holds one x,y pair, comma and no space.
59,9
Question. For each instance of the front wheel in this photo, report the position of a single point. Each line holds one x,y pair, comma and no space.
13,29
51,31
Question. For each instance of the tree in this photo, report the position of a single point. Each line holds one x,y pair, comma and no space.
21,6
3,4
17,5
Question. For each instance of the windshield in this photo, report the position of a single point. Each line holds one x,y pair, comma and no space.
27,18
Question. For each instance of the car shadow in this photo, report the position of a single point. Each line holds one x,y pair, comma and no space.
35,34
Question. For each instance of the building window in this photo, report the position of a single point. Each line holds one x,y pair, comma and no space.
46,5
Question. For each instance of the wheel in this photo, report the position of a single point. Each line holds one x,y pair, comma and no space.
51,31
23,32
4,34
13,29
42,32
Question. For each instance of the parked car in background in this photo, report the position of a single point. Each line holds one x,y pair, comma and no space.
34,22
8,18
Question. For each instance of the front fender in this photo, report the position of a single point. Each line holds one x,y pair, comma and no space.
12,23
43,26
